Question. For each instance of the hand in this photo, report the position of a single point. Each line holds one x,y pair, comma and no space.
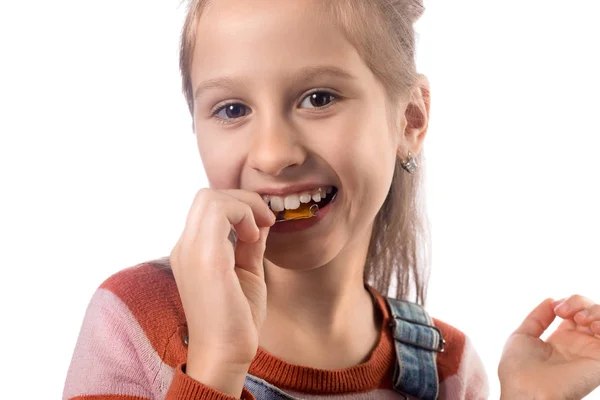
566,365
222,287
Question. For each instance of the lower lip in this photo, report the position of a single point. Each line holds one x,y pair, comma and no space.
303,224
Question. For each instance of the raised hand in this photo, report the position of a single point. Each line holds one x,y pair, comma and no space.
566,365
222,287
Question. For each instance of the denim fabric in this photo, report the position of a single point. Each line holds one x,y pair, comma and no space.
263,390
415,375
417,342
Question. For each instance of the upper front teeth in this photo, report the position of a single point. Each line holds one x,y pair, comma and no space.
292,201
305,198
277,203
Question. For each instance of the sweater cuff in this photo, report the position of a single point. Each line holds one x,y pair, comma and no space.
185,388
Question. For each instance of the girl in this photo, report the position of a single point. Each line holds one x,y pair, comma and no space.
310,120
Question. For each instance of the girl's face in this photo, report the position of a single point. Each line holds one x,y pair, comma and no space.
284,104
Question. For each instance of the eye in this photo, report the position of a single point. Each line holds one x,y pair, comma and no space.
231,111
320,99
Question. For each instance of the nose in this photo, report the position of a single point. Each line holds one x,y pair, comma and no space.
276,145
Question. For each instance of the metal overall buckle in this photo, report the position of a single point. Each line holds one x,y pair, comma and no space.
441,344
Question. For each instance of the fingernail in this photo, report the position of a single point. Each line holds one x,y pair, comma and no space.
563,308
595,327
557,302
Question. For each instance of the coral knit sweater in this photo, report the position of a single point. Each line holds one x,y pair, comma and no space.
131,347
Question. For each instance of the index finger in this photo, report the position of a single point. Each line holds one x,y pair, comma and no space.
538,320
263,215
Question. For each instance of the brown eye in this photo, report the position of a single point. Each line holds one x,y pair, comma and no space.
318,100
232,111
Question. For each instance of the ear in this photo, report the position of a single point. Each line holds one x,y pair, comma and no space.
416,118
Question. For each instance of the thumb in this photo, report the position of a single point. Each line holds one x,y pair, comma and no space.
538,320
249,256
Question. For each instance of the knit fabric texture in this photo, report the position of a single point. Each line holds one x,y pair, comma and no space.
132,347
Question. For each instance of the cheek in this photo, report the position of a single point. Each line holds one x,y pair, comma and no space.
222,162
371,151
368,165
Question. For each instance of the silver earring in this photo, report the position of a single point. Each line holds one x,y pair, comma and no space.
410,165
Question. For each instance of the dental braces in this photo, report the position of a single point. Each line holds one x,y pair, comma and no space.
312,212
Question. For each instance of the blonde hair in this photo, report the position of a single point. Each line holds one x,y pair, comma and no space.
382,32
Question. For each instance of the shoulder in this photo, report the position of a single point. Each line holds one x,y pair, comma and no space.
459,366
148,291
129,280
454,349
143,285
132,327
148,295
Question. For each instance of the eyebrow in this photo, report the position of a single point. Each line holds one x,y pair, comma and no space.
306,74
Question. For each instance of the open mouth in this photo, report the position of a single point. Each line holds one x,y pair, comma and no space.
301,206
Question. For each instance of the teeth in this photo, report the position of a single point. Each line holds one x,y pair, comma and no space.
292,202
316,196
305,198
277,204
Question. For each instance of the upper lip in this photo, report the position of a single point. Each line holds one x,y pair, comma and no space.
290,189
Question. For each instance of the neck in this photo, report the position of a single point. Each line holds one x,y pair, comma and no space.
319,308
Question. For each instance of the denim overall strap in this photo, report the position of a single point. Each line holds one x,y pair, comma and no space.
417,343
263,390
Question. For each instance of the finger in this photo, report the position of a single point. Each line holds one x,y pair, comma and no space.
237,214
588,315
595,327
572,305
249,256
262,213
538,320
555,303
212,215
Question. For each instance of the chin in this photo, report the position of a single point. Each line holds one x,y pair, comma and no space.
299,258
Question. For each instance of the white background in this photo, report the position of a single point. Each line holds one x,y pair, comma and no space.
99,165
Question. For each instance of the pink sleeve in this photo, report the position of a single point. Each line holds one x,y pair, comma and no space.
470,380
114,360
110,357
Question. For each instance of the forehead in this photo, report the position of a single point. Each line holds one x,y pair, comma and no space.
268,38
